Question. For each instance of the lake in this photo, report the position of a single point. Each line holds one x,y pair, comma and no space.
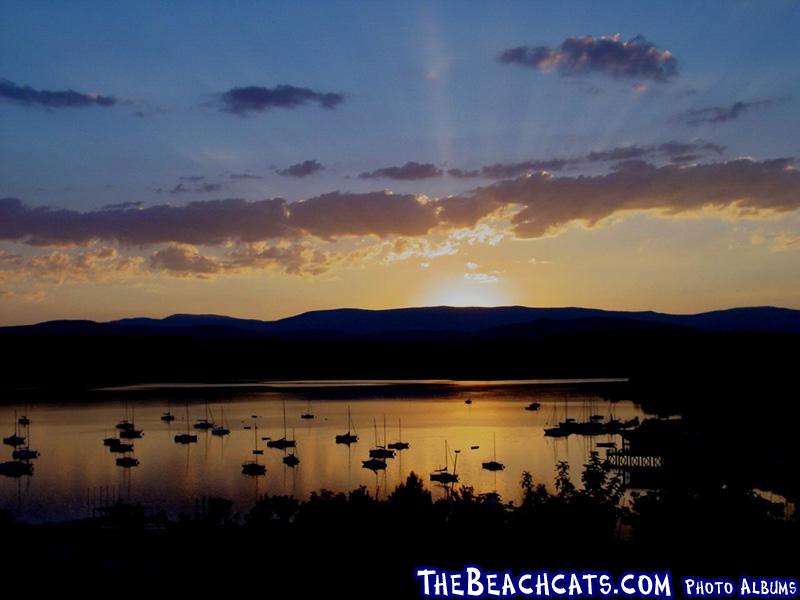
75,470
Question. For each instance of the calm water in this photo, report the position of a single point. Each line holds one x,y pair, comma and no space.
75,465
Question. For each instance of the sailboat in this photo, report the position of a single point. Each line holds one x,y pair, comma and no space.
127,462
14,439
284,442
168,417
125,424
350,437
186,438
399,445
221,430
493,465
253,467
380,451
16,468
443,475
308,414
25,453
291,459
533,406
206,423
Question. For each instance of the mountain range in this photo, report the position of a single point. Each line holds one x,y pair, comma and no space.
360,322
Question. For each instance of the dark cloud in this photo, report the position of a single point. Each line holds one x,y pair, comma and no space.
509,170
215,222
243,100
671,149
208,187
464,173
183,260
245,176
608,55
548,203
28,96
199,187
619,153
411,171
374,213
210,222
302,169
721,114
541,203
192,177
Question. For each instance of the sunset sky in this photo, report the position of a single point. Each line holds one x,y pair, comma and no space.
260,160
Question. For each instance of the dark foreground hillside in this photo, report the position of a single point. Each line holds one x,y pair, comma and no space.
350,545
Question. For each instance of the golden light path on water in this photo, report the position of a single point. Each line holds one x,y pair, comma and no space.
74,463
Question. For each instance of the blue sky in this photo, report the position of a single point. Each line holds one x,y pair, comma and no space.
420,82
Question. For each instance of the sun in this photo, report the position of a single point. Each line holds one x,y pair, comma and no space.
462,292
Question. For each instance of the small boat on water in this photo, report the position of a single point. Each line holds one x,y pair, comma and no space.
350,437
291,460
284,442
131,434
443,475
254,468
121,447
308,414
467,401
110,441
399,445
186,438
24,421
374,464
221,430
15,439
168,417
380,451
124,425
474,447
24,454
127,462
206,423
493,465
16,468
533,406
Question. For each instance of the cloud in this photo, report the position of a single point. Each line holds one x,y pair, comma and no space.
721,114
183,259
411,171
375,213
464,173
243,100
508,170
240,176
28,96
481,277
607,55
302,169
200,187
547,203
215,222
535,205
670,150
